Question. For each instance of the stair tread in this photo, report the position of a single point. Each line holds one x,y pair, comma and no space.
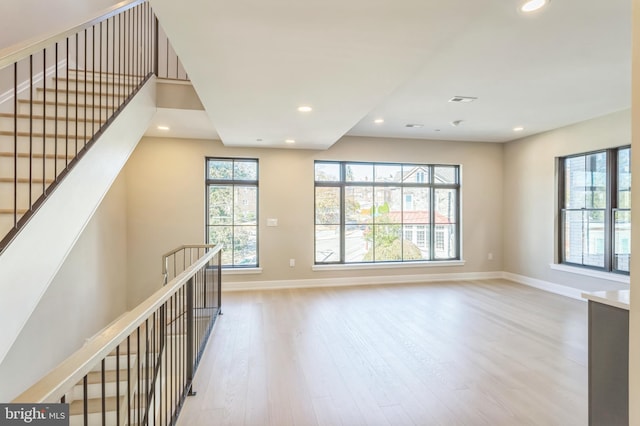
48,117
82,92
61,104
78,80
94,405
110,376
39,135
10,211
25,180
34,155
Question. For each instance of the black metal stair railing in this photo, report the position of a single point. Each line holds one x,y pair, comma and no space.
58,96
140,369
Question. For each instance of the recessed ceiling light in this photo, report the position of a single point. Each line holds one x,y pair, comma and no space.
414,125
290,141
164,128
463,99
305,108
533,5
518,129
379,120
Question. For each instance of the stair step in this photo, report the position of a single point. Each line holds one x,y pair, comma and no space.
64,110
40,117
73,81
110,376
40,135
36,155
80,93
94,405
25,180
10,211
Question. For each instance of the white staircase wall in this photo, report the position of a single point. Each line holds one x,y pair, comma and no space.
33,259
87,293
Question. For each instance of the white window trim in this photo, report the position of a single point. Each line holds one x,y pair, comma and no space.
241,271
389,265
609,276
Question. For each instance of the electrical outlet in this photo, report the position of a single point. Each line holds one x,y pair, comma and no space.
292,263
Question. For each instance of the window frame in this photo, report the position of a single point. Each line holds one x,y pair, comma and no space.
233,183
428,228
611,207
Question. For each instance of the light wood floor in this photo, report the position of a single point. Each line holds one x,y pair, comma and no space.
467,353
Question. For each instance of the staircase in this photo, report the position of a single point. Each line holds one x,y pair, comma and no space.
58,98
143,379
40,143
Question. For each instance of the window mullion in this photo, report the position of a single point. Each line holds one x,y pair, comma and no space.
432,220
608,216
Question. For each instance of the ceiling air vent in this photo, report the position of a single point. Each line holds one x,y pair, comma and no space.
462,99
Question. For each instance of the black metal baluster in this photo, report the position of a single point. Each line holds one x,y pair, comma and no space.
103,393
55,117
118,382
30,129
128,405
174,368
93,80
139,392
76,99
166,44
113,66
15,145
146,368
129,48
120,41
100,106
85,85
44,121
66,114
85,401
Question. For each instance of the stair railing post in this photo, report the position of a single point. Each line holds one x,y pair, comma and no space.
155,47
190,336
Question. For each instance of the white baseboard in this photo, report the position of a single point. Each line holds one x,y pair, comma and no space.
355,281
560,289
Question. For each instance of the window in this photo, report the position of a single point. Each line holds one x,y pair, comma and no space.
232,209
595,209
384,212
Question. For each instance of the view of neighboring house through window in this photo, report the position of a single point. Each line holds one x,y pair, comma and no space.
382,212
595,209
232,209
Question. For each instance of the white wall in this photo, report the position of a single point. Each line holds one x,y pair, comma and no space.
530,191
88,292
24,20
166,204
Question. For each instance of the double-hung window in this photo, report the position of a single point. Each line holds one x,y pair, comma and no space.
386,212
595,210
232,209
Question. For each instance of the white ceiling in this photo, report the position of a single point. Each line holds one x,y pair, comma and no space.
253,62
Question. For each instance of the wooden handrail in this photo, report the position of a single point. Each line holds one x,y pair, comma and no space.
53,386
166,256
15,53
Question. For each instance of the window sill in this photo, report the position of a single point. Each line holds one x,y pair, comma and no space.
610,276
398,265
241,271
